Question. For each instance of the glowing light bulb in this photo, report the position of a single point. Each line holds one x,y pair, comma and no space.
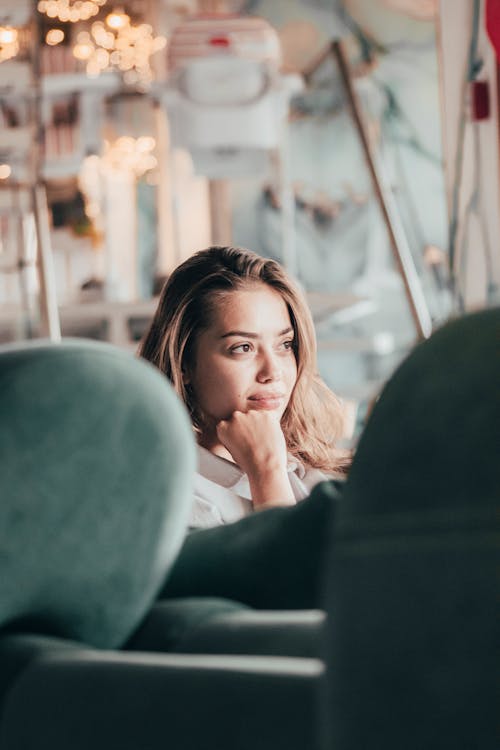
5,171
118,19
145,143
101,57
54,36
125,143
8,35
9,45
82,51
160,42
83,37
92,69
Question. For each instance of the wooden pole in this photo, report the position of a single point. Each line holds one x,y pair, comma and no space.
390,215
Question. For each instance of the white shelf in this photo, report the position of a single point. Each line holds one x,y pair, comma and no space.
59,84
16,82
115,315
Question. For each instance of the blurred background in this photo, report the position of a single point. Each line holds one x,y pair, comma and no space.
355,141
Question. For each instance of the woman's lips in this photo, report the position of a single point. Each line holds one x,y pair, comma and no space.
266,400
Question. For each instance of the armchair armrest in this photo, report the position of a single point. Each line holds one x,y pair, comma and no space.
201,625
83,699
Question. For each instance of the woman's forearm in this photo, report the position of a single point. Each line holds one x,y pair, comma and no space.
271,488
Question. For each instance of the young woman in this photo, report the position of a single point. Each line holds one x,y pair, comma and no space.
235,337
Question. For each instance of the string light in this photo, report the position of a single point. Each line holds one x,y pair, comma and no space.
125,154
9,43
70,10
118,44
130,154
54,36
117,19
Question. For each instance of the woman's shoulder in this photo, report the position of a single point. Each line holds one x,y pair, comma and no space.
311,476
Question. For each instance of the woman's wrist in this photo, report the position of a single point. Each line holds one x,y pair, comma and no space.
270,489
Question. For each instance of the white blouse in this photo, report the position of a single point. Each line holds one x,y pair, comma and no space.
222,491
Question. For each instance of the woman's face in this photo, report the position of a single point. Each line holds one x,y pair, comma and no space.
245,360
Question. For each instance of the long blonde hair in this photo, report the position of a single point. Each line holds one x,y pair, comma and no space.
313,419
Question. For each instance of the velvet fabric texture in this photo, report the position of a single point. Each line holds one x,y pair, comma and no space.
272,559
98,461
70,698
210,625
414,559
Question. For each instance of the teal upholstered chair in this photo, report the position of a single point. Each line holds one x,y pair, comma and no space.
97,469
97,459
415,554
410,591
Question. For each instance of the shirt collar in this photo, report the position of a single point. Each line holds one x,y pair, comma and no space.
227,474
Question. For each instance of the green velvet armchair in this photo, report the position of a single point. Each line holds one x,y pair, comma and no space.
113,635
415,555
98,460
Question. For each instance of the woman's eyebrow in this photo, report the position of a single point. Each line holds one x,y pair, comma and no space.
245,334
249,335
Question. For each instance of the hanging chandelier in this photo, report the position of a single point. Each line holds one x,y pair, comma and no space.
126,155
70,11
131,154
117,44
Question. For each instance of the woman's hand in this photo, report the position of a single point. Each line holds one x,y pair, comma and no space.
256,442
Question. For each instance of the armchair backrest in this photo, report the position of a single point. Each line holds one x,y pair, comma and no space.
415,554
97,464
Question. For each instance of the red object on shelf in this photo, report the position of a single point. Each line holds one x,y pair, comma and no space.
493,24
220,41
480,100
249,37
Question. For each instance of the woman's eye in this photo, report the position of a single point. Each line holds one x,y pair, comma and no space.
288,344
241,348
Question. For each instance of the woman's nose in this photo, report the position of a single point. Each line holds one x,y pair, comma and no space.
269,368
